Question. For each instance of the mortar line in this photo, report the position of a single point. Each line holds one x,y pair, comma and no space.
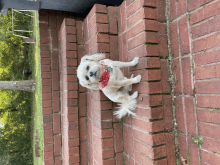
172,80
193,75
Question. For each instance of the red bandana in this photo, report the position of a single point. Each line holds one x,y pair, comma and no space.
105,76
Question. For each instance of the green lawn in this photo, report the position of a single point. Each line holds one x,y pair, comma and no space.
37,106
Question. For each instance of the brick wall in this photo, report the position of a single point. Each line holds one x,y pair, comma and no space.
194,33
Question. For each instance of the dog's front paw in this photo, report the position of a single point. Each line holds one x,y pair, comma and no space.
134,95
138,78
135,61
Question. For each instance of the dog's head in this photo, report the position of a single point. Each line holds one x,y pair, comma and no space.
89,71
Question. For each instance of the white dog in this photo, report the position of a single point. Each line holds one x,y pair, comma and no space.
97,73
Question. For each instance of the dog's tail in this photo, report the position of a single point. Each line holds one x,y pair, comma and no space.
126,108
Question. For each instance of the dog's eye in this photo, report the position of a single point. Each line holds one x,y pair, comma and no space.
87,78
87,68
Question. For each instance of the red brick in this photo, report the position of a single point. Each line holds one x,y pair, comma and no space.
186,71
48,133
207,42
44,54
143,50
45,68
149,113
147,13
153,153
44,40
74,151
173,9
155,126
202,29
193,4
208,116
73,125
182,146
55,60
57,145
170,146
207,101
73,142
97,18
210,71
72,94
47,96
56,83
56,102
73,117
44,47
73,134
176,66
47,118
184,36
58,160
47,111
112,13
114,48
70,38
144,25
207,86
203,13
151,140
211,144
148,88
83,128
70,22
122,17
72,102
46,104
48,140
57,123
118,135
79,32
74,159
49,161
98,28
97,8
168,113
45,75
48,147
164,77
44,33
107,143
180,114
48,126
181,7
190,116
83,153
163,46
209,130
207,57
119,159
174,39
209,157
142,38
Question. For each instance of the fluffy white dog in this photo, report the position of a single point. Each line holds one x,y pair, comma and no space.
97,73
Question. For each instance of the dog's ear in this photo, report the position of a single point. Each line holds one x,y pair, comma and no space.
94,57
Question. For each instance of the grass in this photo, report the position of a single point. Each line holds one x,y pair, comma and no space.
37,106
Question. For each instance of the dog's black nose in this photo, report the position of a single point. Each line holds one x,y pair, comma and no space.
93,74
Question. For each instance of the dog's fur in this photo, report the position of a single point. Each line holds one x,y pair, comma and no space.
118,87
